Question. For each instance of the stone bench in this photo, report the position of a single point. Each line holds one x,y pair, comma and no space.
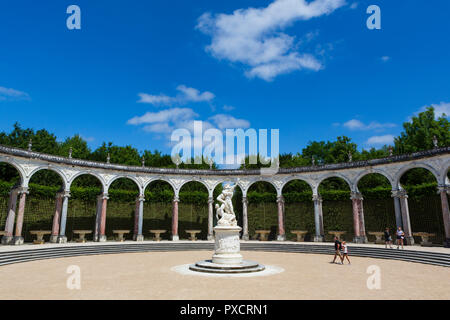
338,234
424,235
40,235
378,236
120,234
193,234
263,234
300,235
82,235
157,234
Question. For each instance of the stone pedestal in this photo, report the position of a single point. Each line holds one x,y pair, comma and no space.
138,237
227,246
17,241
7,239
360,239
62,239
227,258
318,238
53,239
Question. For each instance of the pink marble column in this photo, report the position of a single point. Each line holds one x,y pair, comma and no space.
443,191
11,216
175,236
56,218
18,239
358,218
281,233
102,236
136,218
245,235
210,218
403,197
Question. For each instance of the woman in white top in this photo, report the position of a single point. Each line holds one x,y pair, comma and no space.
400,237
345,254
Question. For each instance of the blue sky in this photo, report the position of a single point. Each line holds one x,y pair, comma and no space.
139,69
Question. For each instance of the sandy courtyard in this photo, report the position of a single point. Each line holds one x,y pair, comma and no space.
149,276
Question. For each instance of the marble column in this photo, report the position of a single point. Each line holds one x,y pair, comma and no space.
245,235
210,218
11,216
175,236
443,191
139,219
318,218
18,239
97,217
56,218
62,238
281,232
397,208
100,232
358,218
103,218
403,198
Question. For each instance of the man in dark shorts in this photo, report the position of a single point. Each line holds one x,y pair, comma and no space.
337,249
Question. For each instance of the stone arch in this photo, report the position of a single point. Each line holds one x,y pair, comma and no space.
289,179
278,191
413,165
134,179
373,171
53,169
159,178
16,166
89,173
195,180
334,175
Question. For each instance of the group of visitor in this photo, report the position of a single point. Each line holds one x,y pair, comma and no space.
341,248
338,247
388,239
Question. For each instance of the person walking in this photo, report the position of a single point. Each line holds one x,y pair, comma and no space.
345,252
337,248
387,238
400,237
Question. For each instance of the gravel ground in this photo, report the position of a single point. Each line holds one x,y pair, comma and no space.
150,276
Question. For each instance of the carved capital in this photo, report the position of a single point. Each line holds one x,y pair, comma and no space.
317,197
401,194
356,195
445,188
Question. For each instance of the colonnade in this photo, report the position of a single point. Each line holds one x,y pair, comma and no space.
437,161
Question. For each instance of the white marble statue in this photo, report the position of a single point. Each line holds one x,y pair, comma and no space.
225,212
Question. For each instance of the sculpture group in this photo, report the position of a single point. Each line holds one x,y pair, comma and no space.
226,257
225,213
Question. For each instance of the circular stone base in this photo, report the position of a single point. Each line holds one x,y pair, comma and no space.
211,267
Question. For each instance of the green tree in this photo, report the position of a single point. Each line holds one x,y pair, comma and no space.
80,149
419,132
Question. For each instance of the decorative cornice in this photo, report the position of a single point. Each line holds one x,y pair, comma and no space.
226,172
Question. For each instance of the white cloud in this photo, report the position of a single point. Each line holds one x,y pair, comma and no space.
228,108
439,109
385,58
174,115
254,37
354,5
358,125
185,95
224,121
13,94
380,140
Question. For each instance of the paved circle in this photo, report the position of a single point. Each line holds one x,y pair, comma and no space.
150,275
